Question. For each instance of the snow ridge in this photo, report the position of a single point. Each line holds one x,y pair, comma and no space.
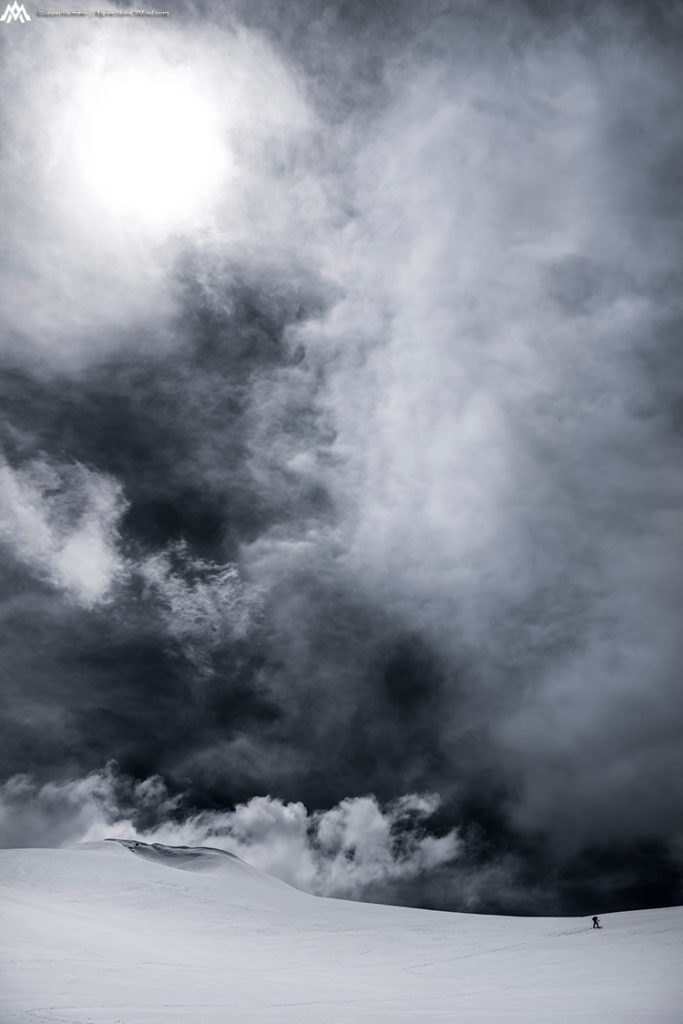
187,858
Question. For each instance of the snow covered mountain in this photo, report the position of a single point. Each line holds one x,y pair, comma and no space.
124,933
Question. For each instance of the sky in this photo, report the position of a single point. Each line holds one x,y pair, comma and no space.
340,491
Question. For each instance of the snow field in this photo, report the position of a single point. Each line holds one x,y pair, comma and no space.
108,934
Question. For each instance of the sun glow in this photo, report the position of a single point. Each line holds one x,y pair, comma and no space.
150,146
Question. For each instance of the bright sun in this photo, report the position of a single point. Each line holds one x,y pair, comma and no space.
149,146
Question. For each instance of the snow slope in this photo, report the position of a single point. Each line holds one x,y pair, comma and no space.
108,934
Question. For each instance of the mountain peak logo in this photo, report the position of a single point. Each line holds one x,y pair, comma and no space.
15,12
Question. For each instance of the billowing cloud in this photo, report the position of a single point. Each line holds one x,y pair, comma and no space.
62,521
203,605
59,813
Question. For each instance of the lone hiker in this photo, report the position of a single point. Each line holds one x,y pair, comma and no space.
596,923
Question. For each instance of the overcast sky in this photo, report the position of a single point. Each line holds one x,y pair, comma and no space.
340,484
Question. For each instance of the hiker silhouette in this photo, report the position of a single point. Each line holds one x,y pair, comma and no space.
596,923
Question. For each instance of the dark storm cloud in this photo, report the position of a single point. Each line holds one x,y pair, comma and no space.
369,484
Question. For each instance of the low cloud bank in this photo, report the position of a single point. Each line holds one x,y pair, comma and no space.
345,851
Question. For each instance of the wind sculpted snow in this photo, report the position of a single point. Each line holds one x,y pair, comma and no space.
187,858
110,933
